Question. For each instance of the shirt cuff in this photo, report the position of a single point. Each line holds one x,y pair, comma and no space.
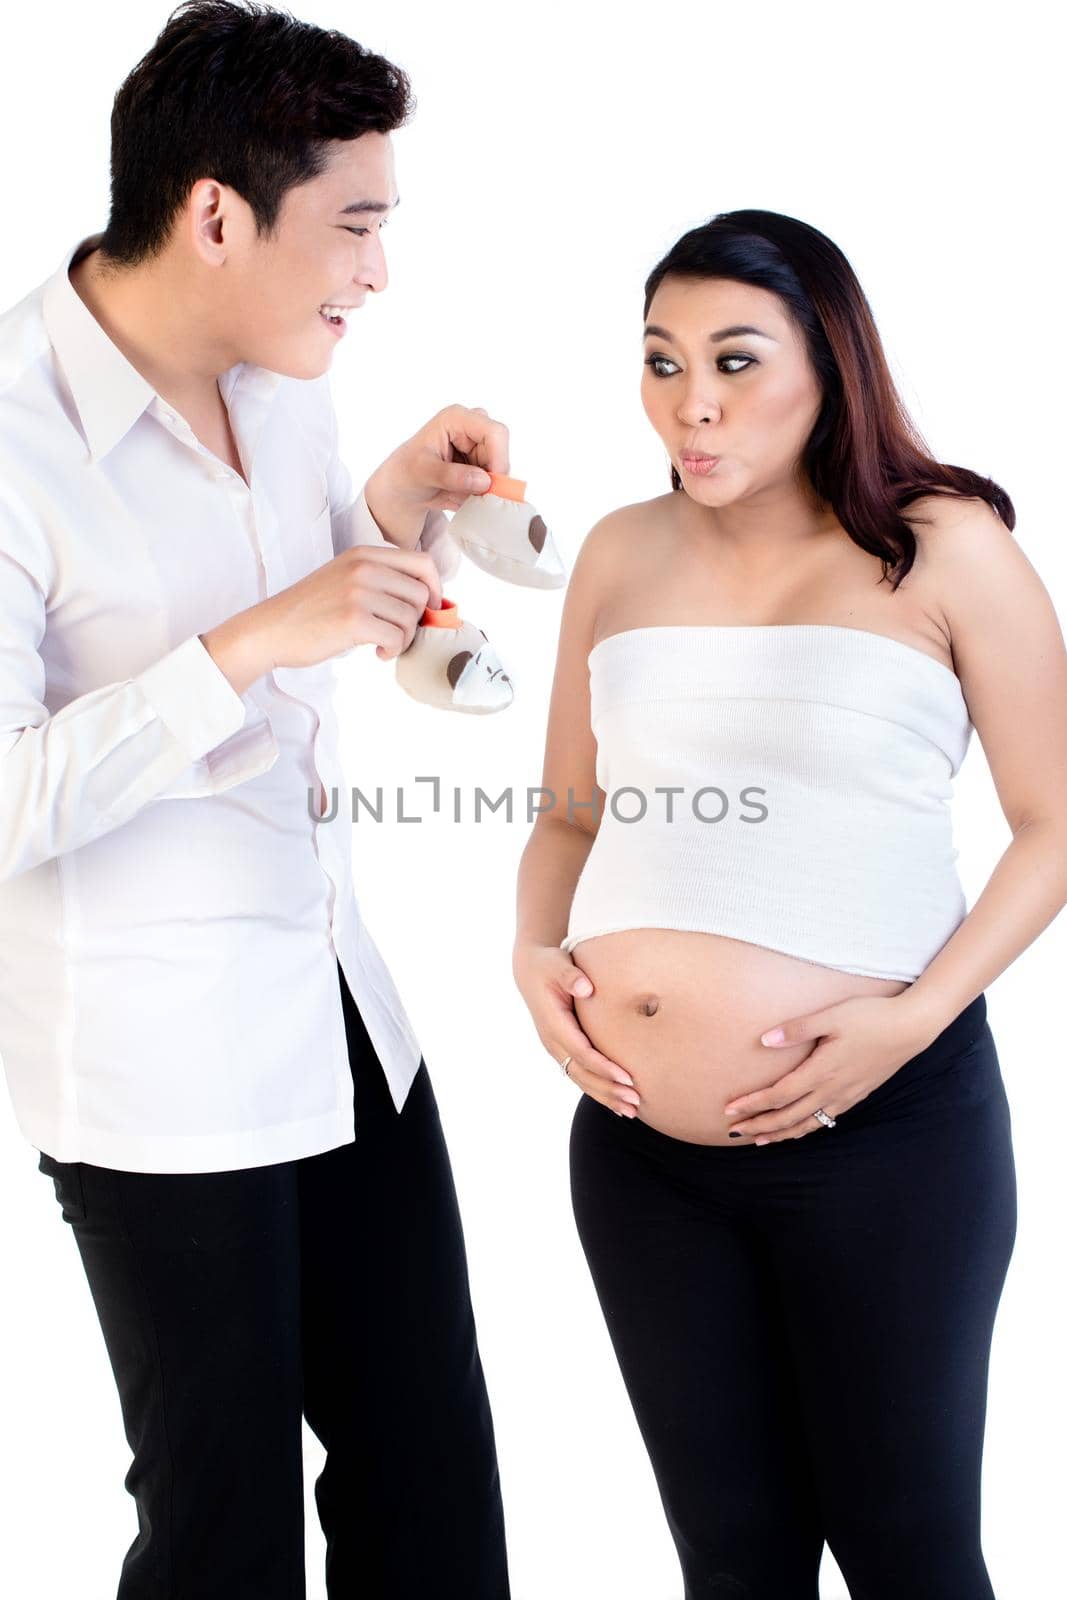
439,544
194,699
356,526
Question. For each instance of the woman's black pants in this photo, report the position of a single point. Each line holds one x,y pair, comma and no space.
804,1327
234,1304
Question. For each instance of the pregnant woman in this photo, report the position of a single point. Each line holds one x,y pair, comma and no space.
766,681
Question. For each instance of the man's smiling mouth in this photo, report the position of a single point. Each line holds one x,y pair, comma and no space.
336,314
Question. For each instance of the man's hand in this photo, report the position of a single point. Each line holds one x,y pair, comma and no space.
366,595
436,470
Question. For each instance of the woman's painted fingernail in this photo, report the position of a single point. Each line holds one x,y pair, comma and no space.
734,1134
775,1036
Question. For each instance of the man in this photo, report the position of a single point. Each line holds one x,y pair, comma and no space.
199,1034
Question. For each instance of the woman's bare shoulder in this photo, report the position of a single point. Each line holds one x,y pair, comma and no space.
628,532
949,530
938,521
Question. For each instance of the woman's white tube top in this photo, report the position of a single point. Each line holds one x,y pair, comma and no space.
785,784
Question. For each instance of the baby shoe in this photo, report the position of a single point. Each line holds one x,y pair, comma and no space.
503,534
450,664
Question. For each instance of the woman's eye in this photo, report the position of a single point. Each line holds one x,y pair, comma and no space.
654,361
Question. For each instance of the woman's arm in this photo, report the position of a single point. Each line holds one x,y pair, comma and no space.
563,835
1011,661
549,869
1010,658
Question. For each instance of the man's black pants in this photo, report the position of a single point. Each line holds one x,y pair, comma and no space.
335,1288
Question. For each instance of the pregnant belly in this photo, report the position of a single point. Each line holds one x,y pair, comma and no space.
683,1014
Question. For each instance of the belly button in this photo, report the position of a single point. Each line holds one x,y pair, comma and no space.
648,1007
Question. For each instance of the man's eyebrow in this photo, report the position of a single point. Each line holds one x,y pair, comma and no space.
370,205
653,331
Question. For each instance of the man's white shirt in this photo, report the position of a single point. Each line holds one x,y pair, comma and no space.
171,911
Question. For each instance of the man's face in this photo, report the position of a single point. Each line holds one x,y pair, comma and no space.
325,251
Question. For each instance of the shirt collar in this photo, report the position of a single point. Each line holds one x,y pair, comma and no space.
108,391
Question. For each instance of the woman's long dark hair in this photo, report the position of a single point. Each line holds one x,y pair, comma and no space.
865,457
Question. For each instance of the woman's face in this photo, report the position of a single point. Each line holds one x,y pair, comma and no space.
727,374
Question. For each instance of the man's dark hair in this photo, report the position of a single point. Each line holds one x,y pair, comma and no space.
245,94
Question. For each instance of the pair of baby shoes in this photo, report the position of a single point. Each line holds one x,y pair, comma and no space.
450,663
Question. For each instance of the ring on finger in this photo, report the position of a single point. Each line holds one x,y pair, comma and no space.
820,1117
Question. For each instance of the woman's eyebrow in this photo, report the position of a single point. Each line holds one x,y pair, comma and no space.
653,331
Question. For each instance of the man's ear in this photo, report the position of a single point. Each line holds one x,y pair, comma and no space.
210,217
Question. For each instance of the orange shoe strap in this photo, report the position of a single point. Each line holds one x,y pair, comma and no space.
506,488
447,617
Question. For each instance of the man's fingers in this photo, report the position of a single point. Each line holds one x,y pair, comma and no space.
396,613
395,642
457,478
418,563
405,582
471,428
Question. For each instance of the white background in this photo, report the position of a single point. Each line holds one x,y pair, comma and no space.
556,153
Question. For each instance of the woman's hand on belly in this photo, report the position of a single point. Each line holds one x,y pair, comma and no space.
684,1012
858,1044
549,981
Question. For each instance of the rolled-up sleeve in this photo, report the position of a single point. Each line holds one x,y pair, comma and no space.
439,544
353,524
176,729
